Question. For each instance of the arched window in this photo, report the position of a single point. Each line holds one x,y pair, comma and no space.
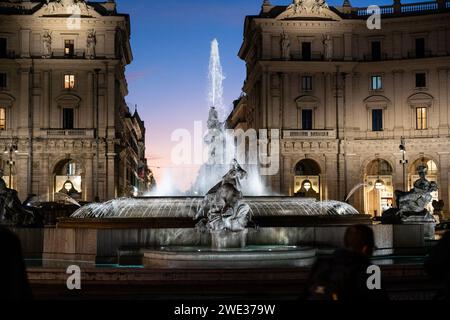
307,179
68,178
307,167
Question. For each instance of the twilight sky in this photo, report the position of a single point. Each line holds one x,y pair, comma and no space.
168,77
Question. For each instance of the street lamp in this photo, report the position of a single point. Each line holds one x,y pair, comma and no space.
11,149
403,162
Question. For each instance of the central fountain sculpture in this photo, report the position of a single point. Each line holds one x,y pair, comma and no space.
225,214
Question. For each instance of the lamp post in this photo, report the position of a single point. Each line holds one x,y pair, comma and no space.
403,162
11,149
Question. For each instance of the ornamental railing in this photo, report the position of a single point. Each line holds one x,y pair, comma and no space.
407,8
309,134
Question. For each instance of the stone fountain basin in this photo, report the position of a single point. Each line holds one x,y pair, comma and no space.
246,258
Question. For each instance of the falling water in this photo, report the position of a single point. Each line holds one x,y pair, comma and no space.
184,207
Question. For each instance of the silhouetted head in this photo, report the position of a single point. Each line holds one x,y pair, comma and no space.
360,239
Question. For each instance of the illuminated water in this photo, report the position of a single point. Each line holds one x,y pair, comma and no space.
178,207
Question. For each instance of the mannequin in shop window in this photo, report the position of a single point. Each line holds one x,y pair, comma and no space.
70,190
307,191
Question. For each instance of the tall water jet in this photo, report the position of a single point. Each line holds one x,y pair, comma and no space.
221,145
216,77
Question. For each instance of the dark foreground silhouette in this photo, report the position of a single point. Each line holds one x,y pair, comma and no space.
437,265
343,276
13,278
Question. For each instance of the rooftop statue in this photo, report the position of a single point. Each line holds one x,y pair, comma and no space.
308,6
285,46
90,44
222,208
66,6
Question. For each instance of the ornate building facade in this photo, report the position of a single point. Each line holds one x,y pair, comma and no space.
64,123
346,94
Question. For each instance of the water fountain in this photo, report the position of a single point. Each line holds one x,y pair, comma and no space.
227,228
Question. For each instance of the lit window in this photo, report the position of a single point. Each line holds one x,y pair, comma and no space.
2,119
69,81
376,83
421,118
307,83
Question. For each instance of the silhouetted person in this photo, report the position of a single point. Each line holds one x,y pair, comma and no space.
13,278
343,277
437,265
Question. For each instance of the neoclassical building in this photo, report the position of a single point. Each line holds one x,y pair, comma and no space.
64,123
343,94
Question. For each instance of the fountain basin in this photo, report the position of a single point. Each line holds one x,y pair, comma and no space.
246,258
228,240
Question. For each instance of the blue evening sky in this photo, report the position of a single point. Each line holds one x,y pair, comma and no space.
168,77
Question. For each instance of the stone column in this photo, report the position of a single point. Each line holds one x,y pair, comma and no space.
266,46
110,102
443,100
88,192
264,94
21,179
286,104
331,177
399,119
110,43
288,183
397,45
349,114
42,176
24,101
330,109
441,42
353,172
89,117
348,47
47,97
25,43
111,183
